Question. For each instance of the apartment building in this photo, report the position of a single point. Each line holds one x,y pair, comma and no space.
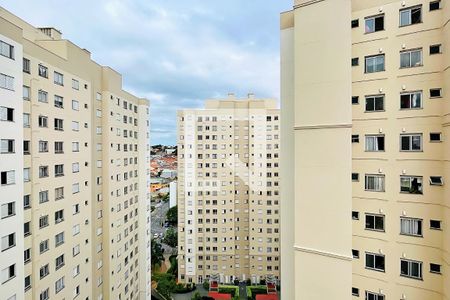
366,81
76,168
228,190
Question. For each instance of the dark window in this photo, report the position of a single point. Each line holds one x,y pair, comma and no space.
355,138
355,23
436,180
411,15
375,23
435,49
435,93
411,269
375,261
375,222
26,65
375,103
43,71
26,147
355,61
435,268
355,176
374,63
435,224
435,137
355,253
355,100
355,215
435,5
355,291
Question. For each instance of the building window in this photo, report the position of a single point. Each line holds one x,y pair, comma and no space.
355,138
8,273
435,49
42,96
375,23
375,261
411,268
374,296
435,5
374,143
355,176
43,196
43,121
26,147
43,146
7,146
355,100
355,215
43,246
43,71
374,183
8,210
59,170
411,142
59,239
374,63
26,65
59,124
8,241
75,188
59,285
59,262
435,224
75,84
436,180
43,171
59,101
26,93
436,93
26,120
59,147
44,295
6,50
59,193
411,184
7,82
27,255
411,100
75,105
355,61
355,292
26,175
27,282
375,103
26,201
44,271
375,222
58,78
26,229
43,222
435,268
411,58
355,254
355,23
410,226
7,114
75,146
411,15
7,177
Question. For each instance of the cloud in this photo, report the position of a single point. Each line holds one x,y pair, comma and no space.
175,53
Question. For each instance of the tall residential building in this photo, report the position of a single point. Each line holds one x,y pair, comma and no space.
74,168
228,190
365,114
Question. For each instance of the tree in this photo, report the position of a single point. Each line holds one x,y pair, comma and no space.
157,252
171,238
166,286
172,215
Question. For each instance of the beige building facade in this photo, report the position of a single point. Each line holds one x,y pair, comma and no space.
228,191
84,153
366,115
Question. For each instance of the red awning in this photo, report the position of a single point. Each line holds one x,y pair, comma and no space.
218,296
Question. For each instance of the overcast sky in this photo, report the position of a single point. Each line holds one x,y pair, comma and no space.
176,53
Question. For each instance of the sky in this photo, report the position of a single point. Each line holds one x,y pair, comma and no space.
176,53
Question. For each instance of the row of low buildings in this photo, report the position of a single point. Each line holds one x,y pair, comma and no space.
74,165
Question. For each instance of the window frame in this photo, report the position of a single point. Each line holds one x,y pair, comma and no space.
410,262
410,15
410,219
409,52
374,98
373,18
411,138
373,57
374,268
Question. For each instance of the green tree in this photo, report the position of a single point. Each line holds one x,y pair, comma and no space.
172,215
166,286
197,296
171,238
157,252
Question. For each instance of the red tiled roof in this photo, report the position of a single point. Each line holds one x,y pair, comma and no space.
266,297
